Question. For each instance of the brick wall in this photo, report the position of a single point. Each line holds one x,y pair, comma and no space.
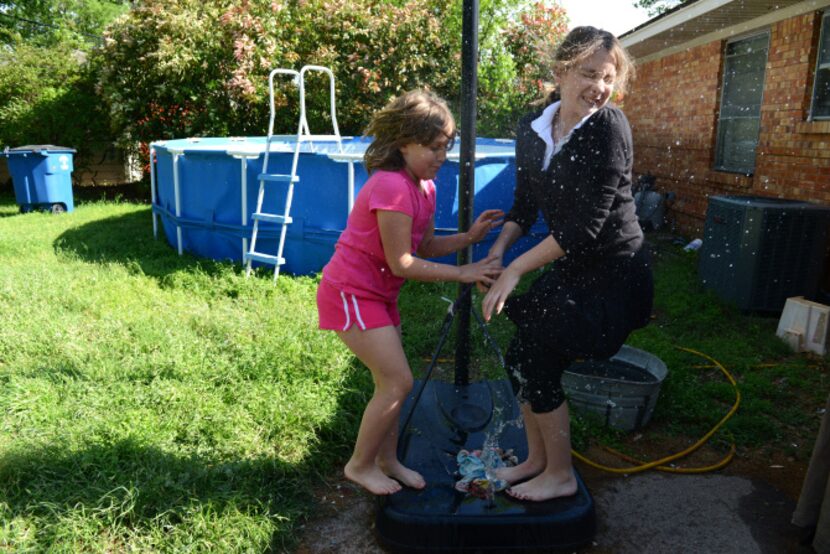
673,110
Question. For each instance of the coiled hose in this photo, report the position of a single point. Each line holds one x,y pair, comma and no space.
660,464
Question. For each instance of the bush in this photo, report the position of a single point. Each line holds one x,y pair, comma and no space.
47,96
200,67
47,86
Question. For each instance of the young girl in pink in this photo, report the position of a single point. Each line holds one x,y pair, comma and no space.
392,221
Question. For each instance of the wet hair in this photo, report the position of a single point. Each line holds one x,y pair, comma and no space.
417,116
580,44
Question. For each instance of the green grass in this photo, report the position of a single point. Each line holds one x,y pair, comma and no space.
782,391
152,402
156,402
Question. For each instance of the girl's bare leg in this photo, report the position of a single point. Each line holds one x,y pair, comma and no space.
387,458
557,478
536,457
381,351
387,461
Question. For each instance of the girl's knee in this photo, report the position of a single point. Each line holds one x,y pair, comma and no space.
406,384
398,388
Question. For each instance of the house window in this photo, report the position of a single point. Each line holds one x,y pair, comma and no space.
740,107
820,108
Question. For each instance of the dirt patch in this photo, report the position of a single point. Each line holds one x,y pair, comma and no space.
343,521
783,472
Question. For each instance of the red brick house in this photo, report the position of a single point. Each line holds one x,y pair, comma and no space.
733,97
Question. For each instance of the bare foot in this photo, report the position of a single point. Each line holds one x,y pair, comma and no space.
544,487
371,478
408,477
524,470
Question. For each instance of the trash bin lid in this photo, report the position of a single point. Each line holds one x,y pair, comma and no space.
38,148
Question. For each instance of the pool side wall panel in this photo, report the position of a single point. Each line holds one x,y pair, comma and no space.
211,207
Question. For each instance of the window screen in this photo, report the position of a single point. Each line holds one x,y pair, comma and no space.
740,109
820,108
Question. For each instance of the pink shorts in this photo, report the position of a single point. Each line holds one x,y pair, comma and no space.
340,310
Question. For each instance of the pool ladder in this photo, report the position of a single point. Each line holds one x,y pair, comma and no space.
303,136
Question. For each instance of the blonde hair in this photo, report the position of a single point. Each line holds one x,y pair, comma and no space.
417,116
581,43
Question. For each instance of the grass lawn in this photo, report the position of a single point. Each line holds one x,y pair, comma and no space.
152,402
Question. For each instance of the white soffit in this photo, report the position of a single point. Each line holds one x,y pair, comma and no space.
702,21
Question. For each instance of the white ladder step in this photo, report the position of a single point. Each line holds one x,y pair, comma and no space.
278,178
264,258
272,218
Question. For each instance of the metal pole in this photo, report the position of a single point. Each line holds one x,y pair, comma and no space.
466,176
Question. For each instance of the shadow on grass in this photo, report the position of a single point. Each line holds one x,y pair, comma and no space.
142,481
128,239
7,200
129,485
10,214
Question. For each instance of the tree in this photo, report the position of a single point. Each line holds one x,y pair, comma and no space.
656,7
47,83
516,38
47,22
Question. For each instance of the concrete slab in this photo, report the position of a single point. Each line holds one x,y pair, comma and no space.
658,513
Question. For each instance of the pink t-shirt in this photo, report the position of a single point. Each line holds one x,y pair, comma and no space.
359,265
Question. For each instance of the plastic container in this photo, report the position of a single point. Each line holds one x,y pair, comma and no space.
42,177
622,390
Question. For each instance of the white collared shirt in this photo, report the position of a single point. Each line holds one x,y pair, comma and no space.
542,125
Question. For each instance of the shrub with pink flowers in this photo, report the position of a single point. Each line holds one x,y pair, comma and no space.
200,67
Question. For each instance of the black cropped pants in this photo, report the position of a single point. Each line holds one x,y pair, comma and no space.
574,312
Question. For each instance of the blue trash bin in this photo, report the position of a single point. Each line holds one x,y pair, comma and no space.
42,177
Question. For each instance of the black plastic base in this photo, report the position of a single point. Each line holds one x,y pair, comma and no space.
442,519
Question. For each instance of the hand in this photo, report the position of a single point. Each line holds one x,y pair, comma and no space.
496,256
499,291
487,221
482,271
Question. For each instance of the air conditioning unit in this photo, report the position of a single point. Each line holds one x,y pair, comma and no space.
759,251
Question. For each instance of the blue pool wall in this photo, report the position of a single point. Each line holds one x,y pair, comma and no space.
211,220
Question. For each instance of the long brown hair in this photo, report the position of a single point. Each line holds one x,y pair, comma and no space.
580,44
417,116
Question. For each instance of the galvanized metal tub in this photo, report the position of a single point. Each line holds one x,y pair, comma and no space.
622,390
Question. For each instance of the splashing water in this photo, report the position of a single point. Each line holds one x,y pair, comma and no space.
478,469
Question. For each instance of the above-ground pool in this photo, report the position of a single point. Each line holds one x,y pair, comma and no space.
205,189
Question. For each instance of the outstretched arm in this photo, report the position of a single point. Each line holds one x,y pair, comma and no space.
510,233
433,246
396,236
